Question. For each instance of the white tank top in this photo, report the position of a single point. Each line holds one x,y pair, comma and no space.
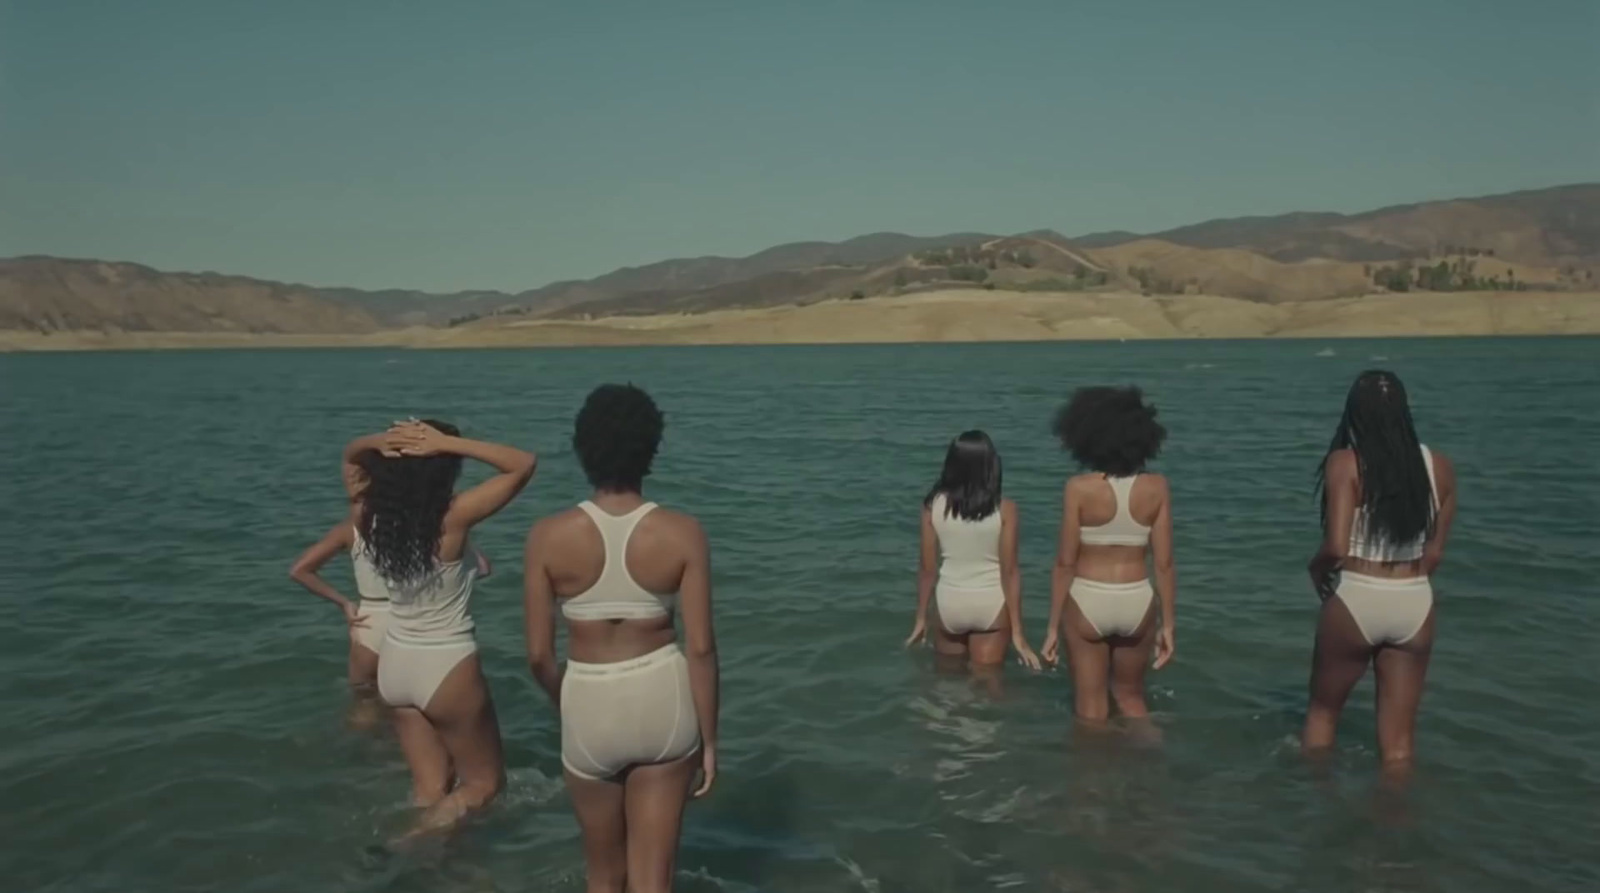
369,583
1121,530
615,596
969,550
1366,545
430,610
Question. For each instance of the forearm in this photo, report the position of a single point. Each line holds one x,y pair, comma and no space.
547,672
1012,586
504,459
925,582
367,443
703,686
1167,586
319,587
1060,584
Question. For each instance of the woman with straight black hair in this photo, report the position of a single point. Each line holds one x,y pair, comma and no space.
1387,505
969,565
1116,525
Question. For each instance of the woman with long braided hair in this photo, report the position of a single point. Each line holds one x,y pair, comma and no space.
1387,504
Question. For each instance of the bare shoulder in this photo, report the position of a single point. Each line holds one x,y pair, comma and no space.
1008,509
680,525
1443,468
553,528
1341,463
1079,482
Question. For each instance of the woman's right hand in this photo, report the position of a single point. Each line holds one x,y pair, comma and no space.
1165,646
1051,652
353,615
919,632
414,438
708,772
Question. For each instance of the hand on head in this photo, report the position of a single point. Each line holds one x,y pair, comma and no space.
413,438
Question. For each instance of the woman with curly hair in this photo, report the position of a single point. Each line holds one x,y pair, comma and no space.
638,717
1387,505
968,569
407,536
1115,519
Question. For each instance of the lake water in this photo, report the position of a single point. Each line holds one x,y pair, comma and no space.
174,705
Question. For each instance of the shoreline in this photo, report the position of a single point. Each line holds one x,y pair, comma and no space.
956,316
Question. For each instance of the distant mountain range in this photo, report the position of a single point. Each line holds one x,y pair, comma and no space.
1547,238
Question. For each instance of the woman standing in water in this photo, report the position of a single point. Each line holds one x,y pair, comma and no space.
368,619
1114,519
638,718
408,539
1387,505
969,560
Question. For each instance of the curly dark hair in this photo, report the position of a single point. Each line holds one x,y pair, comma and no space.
616,436
1110,430
402,508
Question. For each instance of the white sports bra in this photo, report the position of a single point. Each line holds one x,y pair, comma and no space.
615,596
1366,545
1121,530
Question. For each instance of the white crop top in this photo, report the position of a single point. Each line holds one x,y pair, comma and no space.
1121,530
430,610
1367,546
615,596
970,550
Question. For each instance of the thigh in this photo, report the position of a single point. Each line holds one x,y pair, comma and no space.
946,642
425,754
362,666
1130,655
990,647
656,795
463,712
1340,657
1400,671
598,806
1090,657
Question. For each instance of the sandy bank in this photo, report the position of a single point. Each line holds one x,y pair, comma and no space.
965,315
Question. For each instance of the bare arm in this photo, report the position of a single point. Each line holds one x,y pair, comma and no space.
700,640
516,468
305,568
538,603
1066,566
1445,474
349,471
927,566
1340,478
1010,573
1166,577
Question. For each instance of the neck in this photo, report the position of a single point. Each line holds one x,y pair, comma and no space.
617,500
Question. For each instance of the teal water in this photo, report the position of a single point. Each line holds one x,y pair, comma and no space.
174,706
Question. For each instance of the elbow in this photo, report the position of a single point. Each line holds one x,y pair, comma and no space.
298,574
528,465
701,649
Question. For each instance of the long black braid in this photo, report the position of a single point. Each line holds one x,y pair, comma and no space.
403,505
1395,489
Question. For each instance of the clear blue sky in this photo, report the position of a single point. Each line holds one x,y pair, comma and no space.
507,144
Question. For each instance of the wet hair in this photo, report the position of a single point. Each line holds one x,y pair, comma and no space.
970,479
616,436
1110,430
403,505
1395,490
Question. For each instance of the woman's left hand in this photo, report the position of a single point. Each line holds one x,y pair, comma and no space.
1025,654
414,438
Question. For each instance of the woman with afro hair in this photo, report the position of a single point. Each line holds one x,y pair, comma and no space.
1116,519
638,713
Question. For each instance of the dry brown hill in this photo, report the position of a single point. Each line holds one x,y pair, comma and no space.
1547,239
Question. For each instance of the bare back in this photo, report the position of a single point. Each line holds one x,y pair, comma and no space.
657,555
1096,505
